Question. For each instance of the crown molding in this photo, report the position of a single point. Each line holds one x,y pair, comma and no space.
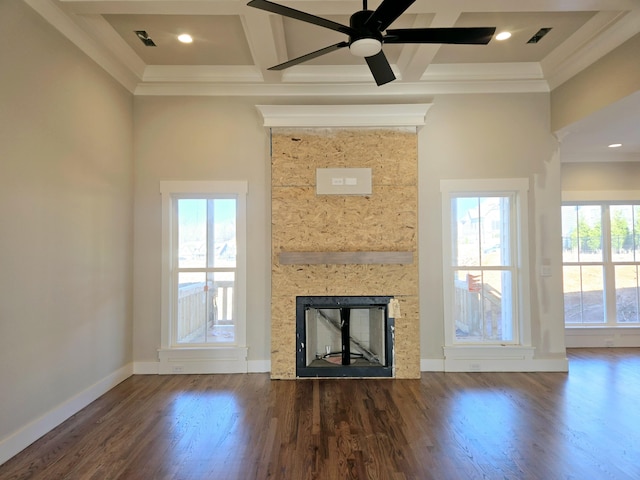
568,62
353,90
201,74
397,115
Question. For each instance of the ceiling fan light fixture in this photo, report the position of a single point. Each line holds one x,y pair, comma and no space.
503,35
365,47
185,38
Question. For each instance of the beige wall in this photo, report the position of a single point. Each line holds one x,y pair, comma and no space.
199,138
66,184
597,176
603,83
492,136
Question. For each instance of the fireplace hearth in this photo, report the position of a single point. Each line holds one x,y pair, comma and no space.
344,336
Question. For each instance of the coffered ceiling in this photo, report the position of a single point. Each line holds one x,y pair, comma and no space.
234,45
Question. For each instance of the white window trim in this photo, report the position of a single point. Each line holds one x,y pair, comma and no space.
215,358
515,356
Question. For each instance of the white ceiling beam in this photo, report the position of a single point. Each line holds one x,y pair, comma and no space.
105,34
415,58
75,32
265,36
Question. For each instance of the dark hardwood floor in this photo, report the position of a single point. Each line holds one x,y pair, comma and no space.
582,425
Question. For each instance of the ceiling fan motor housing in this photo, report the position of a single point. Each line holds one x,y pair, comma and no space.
366,41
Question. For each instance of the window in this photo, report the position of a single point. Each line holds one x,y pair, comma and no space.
204,266
484,262
203,275
601,254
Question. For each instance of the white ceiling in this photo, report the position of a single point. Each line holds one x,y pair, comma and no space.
234,45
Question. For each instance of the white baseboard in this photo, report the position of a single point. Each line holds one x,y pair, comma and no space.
153,368
500,358
432,364
22,438
259,366
493,365
590,337
146,368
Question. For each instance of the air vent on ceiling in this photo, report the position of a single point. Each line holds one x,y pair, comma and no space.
539,34
144,38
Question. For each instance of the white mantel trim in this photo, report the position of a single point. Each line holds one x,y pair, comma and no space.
396,115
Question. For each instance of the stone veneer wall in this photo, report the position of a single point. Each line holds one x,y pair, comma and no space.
384,221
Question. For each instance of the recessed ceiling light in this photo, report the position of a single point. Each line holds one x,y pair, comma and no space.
503,35
185,38
615,145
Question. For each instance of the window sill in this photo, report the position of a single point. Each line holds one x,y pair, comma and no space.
203,360
599,328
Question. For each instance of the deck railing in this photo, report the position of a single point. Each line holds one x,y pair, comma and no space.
204,304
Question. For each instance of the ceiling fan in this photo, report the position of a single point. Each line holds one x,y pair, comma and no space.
367,33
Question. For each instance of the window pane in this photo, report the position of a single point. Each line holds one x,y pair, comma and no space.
224,235
192,233
192,307
622,249
627,293
222,321
494,229
498,309
205,307
589,233
570,233
584,294
483,309
467,311
207,233
466,231
636,232
592,294
572,295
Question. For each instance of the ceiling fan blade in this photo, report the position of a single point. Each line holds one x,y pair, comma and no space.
309,56
380,68
465,36
387,13
298,15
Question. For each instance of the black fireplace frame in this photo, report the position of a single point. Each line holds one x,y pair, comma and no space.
303,303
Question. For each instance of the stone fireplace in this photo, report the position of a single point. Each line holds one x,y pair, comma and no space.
342,245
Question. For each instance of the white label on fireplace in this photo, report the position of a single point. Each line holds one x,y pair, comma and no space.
343,181
394,308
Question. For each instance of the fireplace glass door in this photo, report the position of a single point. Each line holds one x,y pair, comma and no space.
344,337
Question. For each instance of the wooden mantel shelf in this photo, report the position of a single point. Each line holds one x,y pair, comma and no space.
345,258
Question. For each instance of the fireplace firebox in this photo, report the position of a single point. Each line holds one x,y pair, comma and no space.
344,336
